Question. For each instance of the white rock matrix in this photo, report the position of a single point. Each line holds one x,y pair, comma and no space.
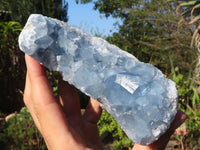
136,94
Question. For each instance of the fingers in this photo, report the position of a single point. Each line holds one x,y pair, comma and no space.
27,96
44,108
179,119
163,140
39,82
69,99
93,111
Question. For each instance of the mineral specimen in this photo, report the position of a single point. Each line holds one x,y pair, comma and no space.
136,94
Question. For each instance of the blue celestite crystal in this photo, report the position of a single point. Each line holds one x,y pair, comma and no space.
136,94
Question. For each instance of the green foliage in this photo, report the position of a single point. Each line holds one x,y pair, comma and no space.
188,94
189,102
108,124
21,133
191,11
19,10
190,14
83,1
12,68
9,27
149,30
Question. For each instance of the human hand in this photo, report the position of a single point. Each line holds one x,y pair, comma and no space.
161,143
62,125
60,121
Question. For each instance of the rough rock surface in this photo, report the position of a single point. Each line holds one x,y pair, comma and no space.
136,94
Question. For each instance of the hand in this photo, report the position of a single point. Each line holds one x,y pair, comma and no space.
62,126
60,121
161,143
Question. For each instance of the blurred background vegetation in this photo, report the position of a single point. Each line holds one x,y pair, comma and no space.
164,33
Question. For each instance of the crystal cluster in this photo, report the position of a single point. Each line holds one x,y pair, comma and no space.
136,94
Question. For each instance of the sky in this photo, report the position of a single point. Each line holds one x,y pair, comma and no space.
86,18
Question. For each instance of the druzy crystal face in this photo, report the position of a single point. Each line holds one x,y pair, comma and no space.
136,94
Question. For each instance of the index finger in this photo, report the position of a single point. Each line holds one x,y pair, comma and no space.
54,126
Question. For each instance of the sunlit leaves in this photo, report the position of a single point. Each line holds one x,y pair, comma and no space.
149,31
21,9
190,11
83,1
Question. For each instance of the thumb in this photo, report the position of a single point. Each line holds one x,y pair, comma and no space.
164,139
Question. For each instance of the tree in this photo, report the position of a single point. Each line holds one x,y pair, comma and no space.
13,15
12,68
20,10
83,1
4,15
191,15
149,30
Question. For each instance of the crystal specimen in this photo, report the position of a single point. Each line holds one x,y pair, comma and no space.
136,94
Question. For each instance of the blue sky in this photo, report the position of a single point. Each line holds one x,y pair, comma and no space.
85,17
